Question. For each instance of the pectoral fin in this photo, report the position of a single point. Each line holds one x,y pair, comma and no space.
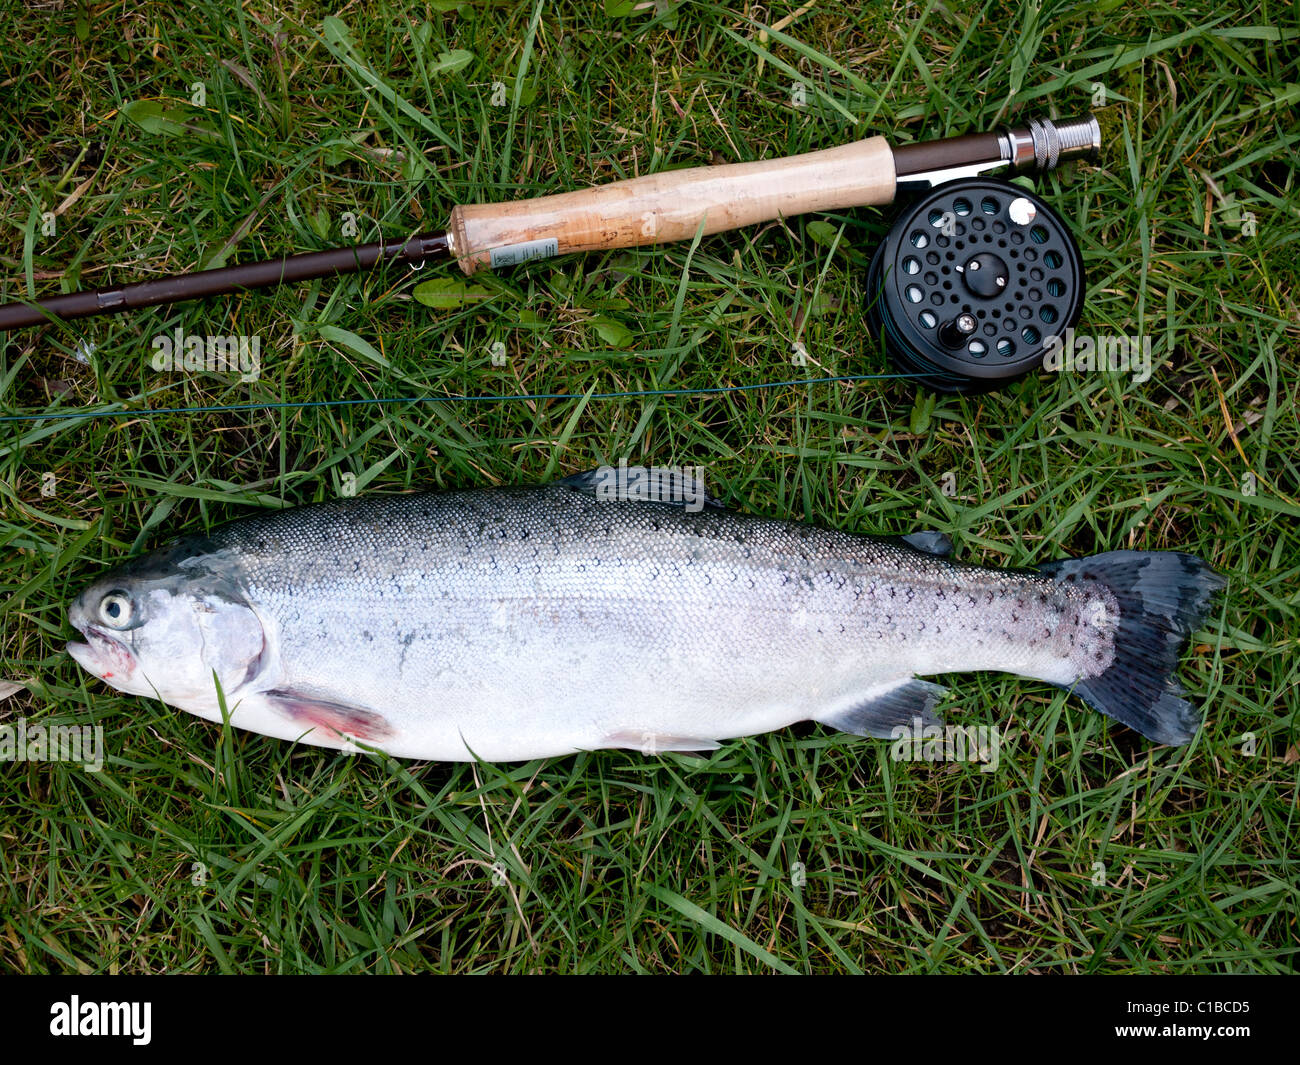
311,711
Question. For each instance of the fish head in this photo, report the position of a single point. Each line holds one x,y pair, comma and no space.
164,624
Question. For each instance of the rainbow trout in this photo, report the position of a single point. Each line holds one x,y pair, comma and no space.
518,623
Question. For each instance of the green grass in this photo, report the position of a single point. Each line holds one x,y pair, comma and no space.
194,851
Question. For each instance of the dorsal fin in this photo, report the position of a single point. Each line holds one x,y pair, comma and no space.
657,484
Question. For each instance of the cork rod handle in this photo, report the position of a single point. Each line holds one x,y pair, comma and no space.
667,207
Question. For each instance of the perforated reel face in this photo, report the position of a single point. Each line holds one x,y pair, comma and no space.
972,284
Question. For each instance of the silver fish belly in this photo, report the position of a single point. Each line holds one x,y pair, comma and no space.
510,624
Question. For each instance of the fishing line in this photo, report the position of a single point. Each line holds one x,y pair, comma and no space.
146,412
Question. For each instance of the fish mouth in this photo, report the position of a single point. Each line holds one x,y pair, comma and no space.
104,656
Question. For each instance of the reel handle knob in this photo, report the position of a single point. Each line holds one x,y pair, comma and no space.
955,332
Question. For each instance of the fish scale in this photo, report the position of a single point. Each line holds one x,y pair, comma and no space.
517,623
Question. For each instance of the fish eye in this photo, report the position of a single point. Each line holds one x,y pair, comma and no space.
115,610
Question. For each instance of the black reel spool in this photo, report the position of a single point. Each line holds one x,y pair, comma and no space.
972,282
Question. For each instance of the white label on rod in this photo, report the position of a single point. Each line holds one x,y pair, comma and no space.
514,254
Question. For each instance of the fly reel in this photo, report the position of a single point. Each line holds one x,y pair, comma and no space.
972,283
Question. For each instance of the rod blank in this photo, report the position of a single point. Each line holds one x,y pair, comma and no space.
222,281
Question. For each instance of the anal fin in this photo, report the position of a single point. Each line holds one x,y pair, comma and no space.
887,707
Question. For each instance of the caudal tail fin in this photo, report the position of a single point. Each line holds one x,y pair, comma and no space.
1162,598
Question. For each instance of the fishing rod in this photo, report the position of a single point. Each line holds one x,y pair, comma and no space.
678,204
